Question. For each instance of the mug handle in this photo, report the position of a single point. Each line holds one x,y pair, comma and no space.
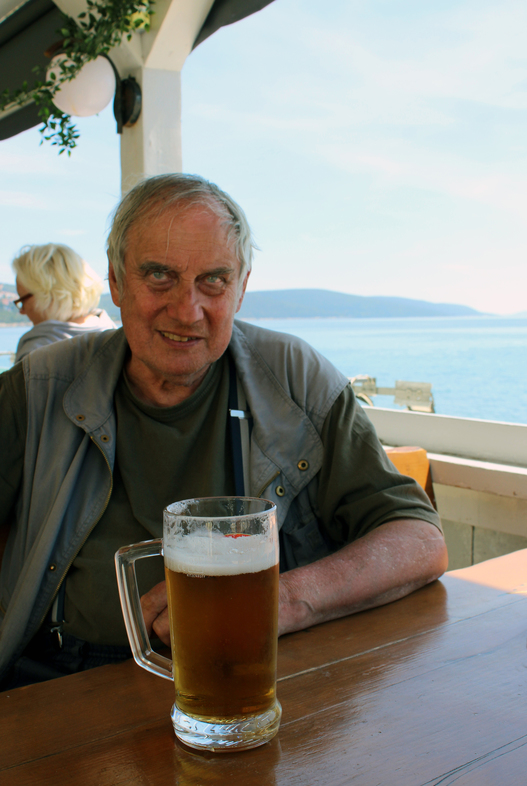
134,621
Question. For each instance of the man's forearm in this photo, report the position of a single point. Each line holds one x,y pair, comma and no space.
388,563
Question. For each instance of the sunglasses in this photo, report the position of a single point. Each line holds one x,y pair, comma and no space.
20,302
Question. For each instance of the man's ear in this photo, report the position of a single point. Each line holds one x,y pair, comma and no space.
114,289
242,294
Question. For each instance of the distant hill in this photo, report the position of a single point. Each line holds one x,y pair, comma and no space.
286,303
8,314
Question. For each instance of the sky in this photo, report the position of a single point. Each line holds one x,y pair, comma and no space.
378,147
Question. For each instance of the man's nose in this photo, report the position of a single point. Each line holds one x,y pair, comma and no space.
185,304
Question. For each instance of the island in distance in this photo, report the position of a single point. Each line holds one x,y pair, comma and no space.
289,303
309,303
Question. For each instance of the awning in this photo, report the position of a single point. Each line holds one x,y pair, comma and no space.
227,12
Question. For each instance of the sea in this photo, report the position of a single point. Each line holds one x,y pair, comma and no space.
477,366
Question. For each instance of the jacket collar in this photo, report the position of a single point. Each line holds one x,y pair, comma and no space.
281,429
88,402
278,422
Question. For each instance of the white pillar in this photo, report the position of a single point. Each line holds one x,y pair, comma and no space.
153,145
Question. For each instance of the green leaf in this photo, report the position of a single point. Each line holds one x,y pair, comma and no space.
94,32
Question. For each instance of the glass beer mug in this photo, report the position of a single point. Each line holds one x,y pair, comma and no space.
221,568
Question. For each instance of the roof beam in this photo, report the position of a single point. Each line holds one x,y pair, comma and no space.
173,30
175,25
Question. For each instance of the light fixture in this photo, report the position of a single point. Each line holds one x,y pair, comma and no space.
89,92
127,102
92,89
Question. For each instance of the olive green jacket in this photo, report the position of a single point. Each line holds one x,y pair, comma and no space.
70,453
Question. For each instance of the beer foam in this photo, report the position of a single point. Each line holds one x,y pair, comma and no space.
205,553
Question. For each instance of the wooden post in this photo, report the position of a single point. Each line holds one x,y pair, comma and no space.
153,145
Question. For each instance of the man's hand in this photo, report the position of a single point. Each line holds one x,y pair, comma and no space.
155,612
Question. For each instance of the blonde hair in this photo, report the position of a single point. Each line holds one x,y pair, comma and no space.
63,285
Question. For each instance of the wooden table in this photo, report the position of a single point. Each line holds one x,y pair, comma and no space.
429,690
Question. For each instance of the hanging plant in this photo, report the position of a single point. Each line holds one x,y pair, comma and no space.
95,32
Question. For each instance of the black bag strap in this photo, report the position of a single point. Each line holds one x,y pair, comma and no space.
56,613
235,415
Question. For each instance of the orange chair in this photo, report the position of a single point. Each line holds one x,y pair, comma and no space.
414,462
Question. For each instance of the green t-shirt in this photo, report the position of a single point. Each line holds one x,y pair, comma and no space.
162,455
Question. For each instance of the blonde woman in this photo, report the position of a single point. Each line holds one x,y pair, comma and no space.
59,292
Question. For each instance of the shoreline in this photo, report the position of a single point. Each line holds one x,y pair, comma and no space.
496,317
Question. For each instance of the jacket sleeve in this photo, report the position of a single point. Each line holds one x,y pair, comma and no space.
359,488
13,425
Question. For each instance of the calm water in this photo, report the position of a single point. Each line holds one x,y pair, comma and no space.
477,365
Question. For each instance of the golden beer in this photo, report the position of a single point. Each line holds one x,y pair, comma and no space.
223,623
221,565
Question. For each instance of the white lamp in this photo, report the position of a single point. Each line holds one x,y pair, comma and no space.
89,92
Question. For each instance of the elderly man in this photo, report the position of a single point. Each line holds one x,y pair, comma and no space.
100,433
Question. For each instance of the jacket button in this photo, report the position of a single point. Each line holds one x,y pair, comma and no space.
80,417
303,464
105,438
280,490
53,567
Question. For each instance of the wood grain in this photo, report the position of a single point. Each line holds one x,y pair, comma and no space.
426,691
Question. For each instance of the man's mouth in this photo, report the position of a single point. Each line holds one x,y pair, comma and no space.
175,337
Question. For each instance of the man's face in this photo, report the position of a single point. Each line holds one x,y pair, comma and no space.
178,300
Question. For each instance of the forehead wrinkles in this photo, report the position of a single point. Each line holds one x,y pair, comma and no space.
156,233
168,233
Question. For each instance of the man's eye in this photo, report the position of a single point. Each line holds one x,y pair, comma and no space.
158,275
213,279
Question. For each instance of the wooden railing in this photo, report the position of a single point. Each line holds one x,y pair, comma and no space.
479,474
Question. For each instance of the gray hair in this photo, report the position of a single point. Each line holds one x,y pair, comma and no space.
156,195
63,285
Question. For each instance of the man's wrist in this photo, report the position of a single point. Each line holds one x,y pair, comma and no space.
294,612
